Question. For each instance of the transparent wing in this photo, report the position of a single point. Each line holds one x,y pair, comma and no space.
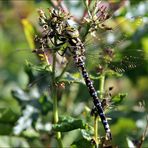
116,47
121,31
118,61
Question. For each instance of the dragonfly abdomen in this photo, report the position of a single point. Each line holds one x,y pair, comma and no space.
78,60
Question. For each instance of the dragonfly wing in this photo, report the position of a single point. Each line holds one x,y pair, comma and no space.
121,61
122,30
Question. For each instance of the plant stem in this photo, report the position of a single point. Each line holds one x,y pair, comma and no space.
55,102
101,89
96,130
53,67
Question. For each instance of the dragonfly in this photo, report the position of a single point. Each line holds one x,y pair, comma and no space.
105,48
69,37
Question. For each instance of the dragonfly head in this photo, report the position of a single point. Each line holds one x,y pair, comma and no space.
71,32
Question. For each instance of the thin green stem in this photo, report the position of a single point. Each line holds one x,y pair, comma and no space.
55,102
53,67
101,89
96,130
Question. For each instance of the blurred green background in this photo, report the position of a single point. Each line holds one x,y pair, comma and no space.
128,119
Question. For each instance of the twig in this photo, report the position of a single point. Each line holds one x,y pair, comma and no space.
55,102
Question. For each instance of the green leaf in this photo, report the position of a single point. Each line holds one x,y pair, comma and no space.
65,118
30,133
5,128
82,143
39,74
72,78
9,141
42,103
69,124
29,32
118,98
32,108
113,73
46,104
87,133
7,115
20,95
39,67
121,129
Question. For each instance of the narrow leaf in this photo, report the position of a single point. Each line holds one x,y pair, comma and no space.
29,32
70,125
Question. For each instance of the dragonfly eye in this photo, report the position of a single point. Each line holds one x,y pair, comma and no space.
45,27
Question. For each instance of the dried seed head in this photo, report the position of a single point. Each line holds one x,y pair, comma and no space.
42,14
